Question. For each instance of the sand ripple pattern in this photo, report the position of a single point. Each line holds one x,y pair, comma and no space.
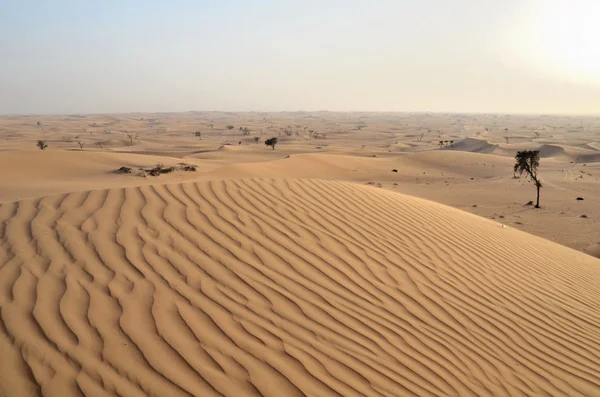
286,288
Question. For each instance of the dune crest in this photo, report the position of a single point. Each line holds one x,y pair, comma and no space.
286,288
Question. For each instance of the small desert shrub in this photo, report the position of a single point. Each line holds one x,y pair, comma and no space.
188,167
160,169
41,144
123,170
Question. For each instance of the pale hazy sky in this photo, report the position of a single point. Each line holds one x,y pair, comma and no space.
80,56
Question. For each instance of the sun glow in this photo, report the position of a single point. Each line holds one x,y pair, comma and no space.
562,38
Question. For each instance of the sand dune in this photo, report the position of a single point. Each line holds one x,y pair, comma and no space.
474,145
585,153
286,288
548,151
589,158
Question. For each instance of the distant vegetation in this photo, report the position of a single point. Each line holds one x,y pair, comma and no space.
159,169
271,142
132,137
42,144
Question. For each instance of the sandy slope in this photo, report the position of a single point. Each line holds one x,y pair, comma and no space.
286,288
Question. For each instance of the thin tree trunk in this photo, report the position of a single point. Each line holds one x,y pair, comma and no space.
537,204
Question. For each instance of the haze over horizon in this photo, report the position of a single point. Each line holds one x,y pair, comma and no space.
527,56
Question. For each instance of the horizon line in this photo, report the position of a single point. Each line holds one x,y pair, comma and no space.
495,113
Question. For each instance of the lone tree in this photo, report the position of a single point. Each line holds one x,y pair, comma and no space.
256,139
42,145
230,127
528,161
271,142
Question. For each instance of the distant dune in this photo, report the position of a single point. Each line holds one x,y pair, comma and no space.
474,145
283,287
586,153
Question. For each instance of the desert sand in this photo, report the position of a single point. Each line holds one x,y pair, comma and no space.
358,258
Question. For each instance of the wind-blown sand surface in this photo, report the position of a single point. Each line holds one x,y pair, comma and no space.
298,271
287,288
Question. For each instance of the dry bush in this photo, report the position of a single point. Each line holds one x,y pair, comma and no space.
159,170
123,170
